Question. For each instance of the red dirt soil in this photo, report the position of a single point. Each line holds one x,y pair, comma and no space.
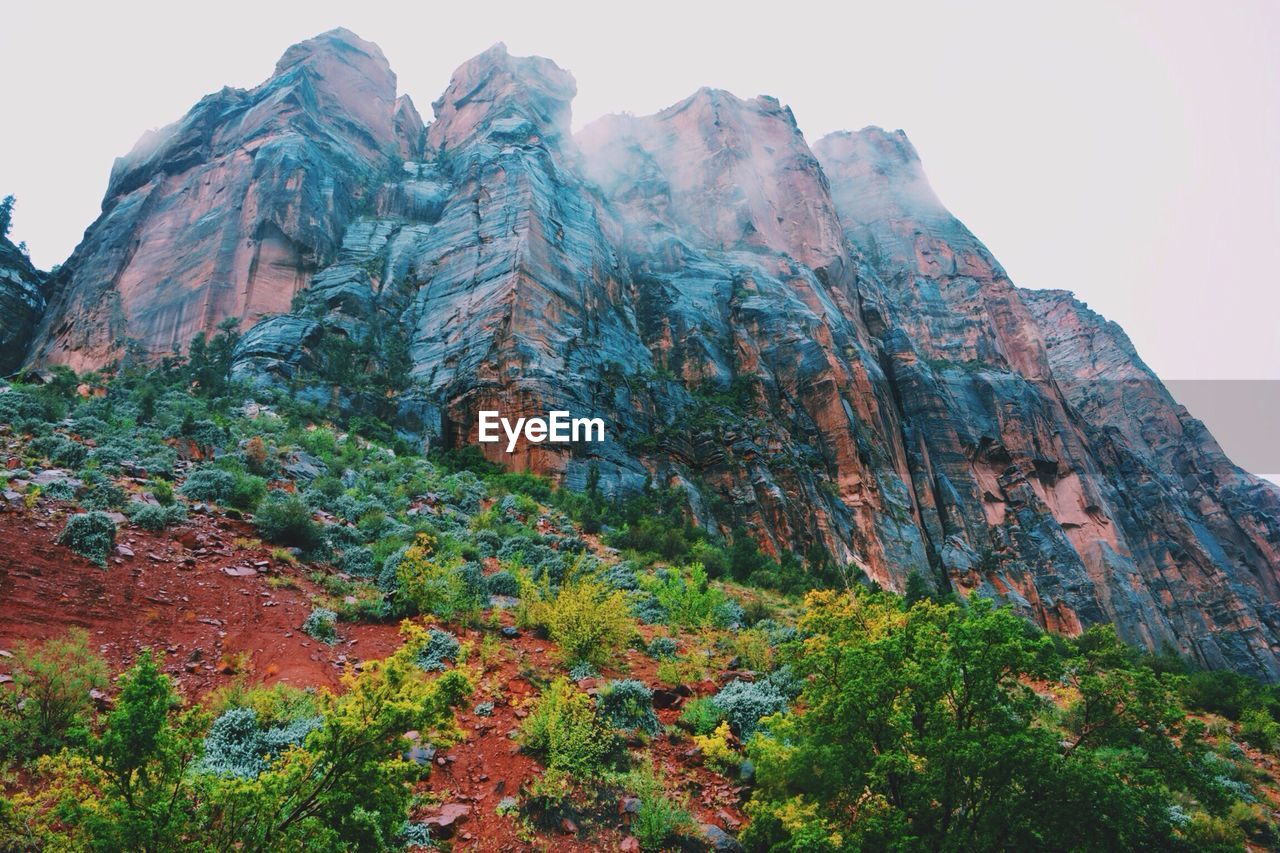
173,594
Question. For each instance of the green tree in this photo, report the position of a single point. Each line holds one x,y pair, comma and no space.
209,361
49,705
348,788
132,789
918,730
6,215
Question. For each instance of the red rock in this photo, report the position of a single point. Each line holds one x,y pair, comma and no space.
884,394
445,823
221,228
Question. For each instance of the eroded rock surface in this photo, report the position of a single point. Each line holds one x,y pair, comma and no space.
21,305
803,340
229,211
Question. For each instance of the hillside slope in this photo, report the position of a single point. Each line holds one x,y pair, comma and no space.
802,340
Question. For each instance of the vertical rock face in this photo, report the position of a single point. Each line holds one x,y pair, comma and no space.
1204,533
228,212
21,304
744,284
1056,457
805,342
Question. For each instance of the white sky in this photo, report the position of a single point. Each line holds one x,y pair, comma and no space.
1129,152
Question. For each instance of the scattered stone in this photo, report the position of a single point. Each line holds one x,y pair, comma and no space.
720,840
664,698
124,550
445,824
240,572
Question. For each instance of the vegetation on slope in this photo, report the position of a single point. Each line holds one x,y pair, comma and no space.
843,719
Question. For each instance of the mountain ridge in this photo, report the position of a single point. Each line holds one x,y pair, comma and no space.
802,339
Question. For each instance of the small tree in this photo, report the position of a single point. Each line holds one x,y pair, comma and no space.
6,215
49,706
348,788
133,789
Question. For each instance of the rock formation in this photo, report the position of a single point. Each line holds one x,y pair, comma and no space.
804,341
228,212
21,305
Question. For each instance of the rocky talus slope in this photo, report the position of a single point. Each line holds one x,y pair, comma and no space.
801,338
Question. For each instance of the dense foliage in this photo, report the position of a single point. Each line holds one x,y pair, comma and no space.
923,728
153,780
851,719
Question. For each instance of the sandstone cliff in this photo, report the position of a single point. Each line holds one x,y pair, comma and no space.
803,340
229,211
21,305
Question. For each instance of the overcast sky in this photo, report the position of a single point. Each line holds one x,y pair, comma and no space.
1129,152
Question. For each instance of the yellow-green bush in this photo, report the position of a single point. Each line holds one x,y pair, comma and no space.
717,752
587,620
430,581
565,729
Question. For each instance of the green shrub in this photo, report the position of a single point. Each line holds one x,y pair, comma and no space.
60,450
162,491
356,561
246,490
701,715
503,583
432,582
238,744
103,495
662,648
322,624
232,488
1220,692
49,706
661,822
441,650
1259,729
285,520
583,670
628,705
686,598
60,490
565,729
90,534
209,484
744,703
157,518
587,621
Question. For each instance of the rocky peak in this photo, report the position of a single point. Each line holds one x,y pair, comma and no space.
335,48
410,129
738,173
504,99
876,173
228,211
